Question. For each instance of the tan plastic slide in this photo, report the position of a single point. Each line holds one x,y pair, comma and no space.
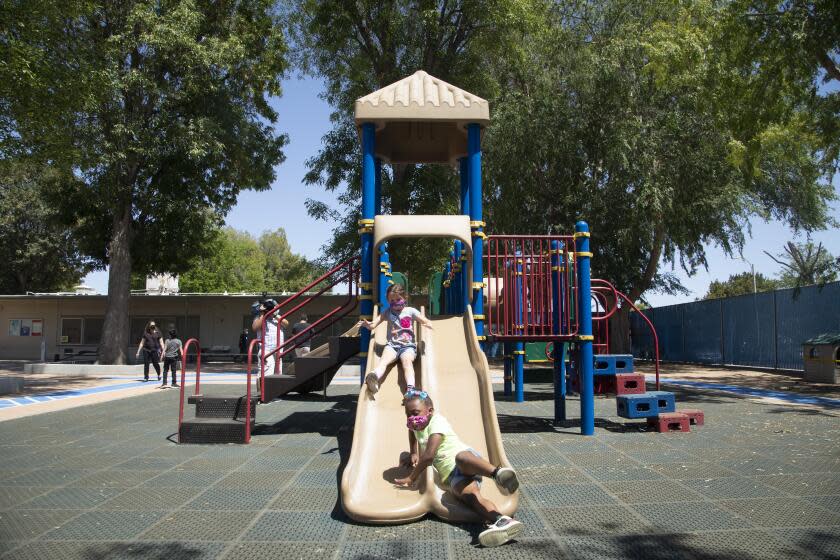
453,369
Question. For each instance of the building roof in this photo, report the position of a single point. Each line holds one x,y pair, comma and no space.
421,119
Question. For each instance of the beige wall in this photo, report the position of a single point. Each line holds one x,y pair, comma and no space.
220,318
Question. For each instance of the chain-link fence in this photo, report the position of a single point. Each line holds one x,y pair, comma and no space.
760,330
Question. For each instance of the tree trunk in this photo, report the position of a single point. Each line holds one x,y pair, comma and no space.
112,349
620,322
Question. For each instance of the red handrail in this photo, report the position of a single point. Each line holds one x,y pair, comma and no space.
248,392
184,377
346,271
604,285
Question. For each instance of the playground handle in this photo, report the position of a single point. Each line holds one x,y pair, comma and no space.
184,377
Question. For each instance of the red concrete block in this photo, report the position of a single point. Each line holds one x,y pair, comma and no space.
695,416
670,422
629,384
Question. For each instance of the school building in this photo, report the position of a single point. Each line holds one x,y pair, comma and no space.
60,326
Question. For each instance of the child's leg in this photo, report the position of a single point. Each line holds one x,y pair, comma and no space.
471,464
469,493
389,356
407,361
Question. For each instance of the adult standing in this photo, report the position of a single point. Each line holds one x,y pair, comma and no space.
304,345
150,346
273,334
243,345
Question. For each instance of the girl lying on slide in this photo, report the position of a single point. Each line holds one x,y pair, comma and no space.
433,442
401,344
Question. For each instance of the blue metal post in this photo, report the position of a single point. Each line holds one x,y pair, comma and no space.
474,166
508,368
587,364
519,347
559,347
466,289
378,188
384,274
366,223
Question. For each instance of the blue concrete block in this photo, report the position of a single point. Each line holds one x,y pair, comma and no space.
637,406
665,401
611,364
645,405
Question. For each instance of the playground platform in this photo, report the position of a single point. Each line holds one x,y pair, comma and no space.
760,480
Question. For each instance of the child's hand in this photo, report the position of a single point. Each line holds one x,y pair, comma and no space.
364,323
404,482
410,461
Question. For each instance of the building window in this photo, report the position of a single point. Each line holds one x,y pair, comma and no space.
71,330
92,331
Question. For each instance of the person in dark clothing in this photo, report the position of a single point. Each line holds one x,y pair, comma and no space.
243,345
171,356
303,348
150,346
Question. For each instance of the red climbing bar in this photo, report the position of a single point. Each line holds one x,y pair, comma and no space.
184,350
521,278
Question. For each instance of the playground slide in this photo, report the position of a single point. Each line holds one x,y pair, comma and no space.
454,371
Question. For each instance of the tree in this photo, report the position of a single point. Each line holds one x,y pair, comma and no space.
659,124
359,47
156,115
284,271
804,264
38,253
740,284
240,263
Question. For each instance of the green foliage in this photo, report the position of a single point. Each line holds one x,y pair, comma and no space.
805,264
155,114
359,47
38,253
240,263
740,284
655,123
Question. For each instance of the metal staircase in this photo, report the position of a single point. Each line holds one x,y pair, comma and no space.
227,419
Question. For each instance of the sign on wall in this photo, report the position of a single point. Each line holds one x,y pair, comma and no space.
26,327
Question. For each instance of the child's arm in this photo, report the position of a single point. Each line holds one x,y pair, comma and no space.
413,452
426,459
370,325
424,321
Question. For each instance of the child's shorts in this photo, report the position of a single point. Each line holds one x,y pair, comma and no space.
401,349
456,476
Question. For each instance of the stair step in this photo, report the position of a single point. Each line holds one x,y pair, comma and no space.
611,364
222,407
344,347
670,422
646,405
629,384
213,430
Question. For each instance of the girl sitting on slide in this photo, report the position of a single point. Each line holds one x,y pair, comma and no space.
401,344
433,442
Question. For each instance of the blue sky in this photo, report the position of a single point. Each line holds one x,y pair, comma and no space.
305,118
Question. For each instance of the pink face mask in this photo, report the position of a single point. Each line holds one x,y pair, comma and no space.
398,305
417,422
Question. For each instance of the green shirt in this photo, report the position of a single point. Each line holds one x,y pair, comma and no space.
444,460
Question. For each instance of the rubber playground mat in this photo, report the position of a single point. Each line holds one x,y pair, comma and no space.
106,481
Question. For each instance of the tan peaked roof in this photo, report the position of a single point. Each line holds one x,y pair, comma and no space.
421,119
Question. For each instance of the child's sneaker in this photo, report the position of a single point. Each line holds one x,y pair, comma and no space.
500,532
372,383
507,479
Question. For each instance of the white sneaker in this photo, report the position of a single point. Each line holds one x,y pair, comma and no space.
500,532
372,383
507,479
